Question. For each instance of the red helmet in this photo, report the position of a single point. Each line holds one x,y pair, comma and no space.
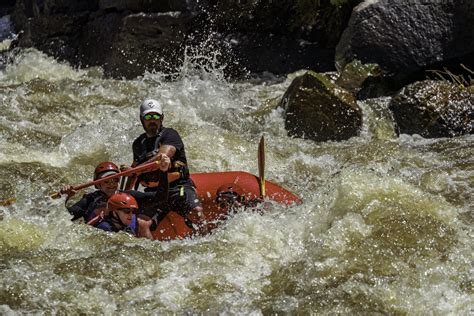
229,192
122,200
104,167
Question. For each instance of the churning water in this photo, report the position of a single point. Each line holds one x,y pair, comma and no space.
385,227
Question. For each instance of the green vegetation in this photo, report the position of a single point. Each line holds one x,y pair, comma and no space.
461,80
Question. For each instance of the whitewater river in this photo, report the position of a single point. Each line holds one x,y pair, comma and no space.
385,227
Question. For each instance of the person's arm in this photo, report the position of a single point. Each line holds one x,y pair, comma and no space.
79,209
144,228
160,198
161,195
170,142
168,150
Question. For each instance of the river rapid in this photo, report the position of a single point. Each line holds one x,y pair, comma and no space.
385,226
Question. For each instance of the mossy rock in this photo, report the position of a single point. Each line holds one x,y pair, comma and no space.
434,109
318,109
355,73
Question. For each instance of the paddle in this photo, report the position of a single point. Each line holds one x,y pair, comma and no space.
137,170
261,166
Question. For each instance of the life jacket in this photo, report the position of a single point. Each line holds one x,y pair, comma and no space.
147,155
132,229
116,225
95,203
151,179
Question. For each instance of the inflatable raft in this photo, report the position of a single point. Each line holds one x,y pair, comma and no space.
173,225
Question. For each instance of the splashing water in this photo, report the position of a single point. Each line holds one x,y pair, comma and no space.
385,227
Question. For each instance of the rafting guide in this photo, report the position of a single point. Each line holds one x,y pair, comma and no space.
160,199
157,140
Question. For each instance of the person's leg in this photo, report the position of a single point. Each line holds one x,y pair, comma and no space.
185,202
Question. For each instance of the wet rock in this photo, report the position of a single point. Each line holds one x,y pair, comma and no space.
148,42
56,34
254,36
366,81
97,38
319,22
6,7
149,6
277,54
51,7
409,36
434,109
318,109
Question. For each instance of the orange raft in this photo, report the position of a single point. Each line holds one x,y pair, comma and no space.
173,225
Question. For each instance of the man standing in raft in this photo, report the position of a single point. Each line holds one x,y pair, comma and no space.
157,140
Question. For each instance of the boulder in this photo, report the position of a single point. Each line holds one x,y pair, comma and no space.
407,37
151,6
51,7
6,7
53,27
258,53
319,22
129,37
365,80
98,37
318,109
433,109
148,42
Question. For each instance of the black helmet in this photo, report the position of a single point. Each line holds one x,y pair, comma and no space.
228,194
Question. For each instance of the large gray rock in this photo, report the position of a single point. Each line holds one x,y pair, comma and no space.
6,7
434,109
319,110
150,6
98,37
408,36
148,42
314,21
277,54
51,7
128,37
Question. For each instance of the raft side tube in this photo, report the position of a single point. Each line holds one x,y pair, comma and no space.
173,226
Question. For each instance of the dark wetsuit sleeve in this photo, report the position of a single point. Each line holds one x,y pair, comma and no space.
161,195
141,197
79,209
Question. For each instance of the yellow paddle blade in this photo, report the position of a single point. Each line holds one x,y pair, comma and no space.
261,166
55,195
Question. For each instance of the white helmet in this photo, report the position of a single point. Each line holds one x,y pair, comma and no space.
150,106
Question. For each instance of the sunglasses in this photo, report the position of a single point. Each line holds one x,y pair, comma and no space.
127,210
148,117
110,181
